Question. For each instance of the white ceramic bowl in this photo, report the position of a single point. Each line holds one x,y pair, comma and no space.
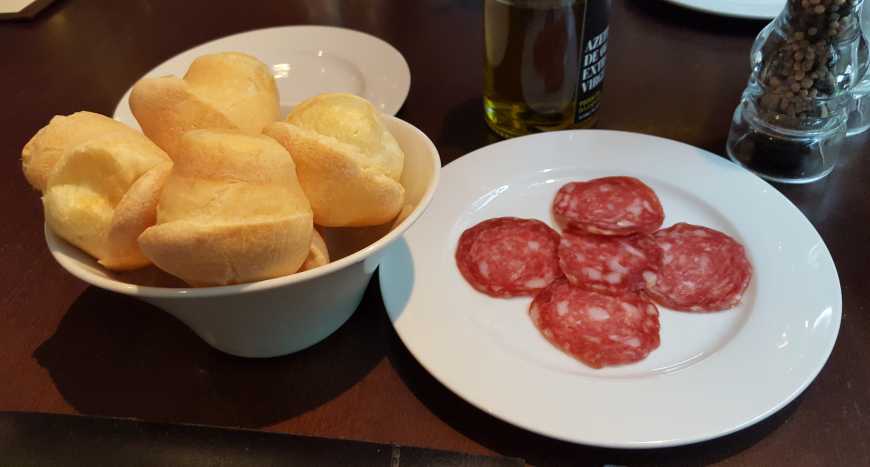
285,314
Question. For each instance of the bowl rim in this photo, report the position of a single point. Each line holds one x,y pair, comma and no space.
56,245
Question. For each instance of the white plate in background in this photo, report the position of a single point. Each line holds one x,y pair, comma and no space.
749,9
713,374
306,61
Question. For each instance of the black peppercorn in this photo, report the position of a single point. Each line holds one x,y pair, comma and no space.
800,64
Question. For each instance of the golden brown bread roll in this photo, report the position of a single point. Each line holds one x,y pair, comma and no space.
232,211
100,181
222,91
42,152
348,163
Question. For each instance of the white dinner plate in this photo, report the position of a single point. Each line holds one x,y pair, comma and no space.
306,61
750,9
713,374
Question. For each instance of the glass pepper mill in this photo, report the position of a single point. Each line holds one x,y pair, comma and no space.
791,121
859,112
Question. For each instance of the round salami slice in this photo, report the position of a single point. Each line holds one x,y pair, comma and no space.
608,264
509,256
597,329
701,269
609,206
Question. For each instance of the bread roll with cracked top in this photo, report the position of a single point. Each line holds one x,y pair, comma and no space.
348,162
100,181
222,91
63,132
232,211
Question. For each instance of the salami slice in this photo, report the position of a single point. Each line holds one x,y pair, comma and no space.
509,256
608,264
609,206
597,329
701,269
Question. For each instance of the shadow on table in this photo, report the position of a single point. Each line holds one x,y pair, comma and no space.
115,356
676,15
537,450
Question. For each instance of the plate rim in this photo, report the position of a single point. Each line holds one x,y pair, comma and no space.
809,375
693,5
123,102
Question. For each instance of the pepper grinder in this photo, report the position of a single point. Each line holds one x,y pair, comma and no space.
791,120
859,111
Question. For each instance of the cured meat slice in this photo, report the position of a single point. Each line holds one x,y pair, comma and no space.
597,329
701,269
608,264
609,206
509,256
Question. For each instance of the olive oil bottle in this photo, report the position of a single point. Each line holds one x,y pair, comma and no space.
544,63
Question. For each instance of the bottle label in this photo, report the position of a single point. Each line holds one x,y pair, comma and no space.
593,57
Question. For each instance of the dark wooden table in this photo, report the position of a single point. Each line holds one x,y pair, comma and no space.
69,348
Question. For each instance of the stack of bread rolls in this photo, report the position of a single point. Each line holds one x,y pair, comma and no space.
216,191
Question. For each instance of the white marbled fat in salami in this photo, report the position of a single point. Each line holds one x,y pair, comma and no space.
597,329
701,269
509,256
608,206
608,264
